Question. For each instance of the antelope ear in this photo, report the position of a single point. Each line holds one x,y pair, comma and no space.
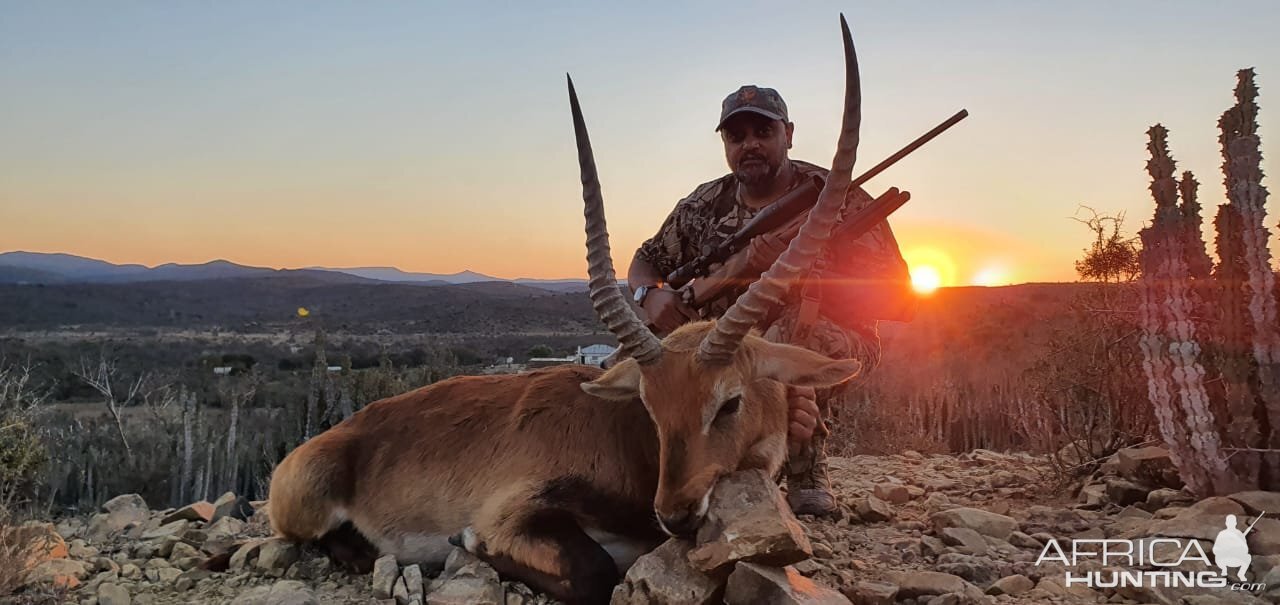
619,383
800,367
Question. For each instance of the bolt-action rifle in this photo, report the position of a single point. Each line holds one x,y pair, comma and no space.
784,217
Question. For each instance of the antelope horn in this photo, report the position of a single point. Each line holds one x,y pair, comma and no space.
606,297
721,343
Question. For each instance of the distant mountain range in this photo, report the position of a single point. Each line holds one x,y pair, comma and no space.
56,268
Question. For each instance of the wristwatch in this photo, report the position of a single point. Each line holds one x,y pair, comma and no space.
643,291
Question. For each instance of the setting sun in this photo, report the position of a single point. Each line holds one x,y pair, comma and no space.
925,279
930,269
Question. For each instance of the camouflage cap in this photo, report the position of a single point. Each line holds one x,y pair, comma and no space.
764,101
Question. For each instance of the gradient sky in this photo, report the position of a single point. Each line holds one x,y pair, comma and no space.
438,138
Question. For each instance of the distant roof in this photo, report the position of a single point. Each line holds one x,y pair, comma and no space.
598,350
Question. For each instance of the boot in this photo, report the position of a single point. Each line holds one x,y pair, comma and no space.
808,487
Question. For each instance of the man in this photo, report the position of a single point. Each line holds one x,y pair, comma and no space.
856,282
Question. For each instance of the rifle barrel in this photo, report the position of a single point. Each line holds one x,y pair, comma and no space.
1255,522
910,147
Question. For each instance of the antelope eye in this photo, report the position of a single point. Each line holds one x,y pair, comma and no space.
729,407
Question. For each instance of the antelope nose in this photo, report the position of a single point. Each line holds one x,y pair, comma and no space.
681,523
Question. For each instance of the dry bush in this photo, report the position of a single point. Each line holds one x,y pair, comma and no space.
1086,389
1034,367
861,424
23,455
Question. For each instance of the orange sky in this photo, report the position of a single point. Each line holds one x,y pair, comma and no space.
437,139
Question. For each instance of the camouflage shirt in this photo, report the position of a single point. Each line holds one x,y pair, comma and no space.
864,279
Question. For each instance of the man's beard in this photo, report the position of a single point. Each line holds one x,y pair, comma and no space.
754,175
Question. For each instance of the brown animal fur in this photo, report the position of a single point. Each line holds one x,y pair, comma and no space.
510,456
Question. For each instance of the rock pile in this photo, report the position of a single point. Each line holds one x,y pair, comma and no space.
912,530
743,553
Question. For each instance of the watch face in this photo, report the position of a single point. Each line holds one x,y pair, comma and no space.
640,292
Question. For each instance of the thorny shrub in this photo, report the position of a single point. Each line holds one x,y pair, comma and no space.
1088,387
23,454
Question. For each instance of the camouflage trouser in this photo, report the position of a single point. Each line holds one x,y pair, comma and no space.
807,468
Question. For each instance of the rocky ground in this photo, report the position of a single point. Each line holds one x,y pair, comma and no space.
914,529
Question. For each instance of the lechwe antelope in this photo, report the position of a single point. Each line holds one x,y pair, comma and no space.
560,477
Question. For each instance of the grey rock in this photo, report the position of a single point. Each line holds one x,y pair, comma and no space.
1255,502
981,521
169,529
1011,585
473,584
807,567
665,576
1124,493
932,546
915,584
1165,497
1148,465
196,511
229,505
1133,512
1093,533
182,550
127,502
224,528
872,593
165,545
751,583
873,510
168,575
275,556
1216,505
892,493
400,592
190,578
748,520
284,592
967,540
978,570
130,571
413,581
1022,540
57,572
458,558
1055,587
121,513
383,579
245,555
110,593
79,550
935,502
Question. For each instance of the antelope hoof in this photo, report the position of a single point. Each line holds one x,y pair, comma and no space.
468,540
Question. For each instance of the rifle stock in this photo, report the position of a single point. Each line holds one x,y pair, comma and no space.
776,214
714,285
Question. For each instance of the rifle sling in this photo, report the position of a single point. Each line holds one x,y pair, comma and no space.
810,302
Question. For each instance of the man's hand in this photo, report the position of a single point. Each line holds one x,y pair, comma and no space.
763,250
802,414
666,311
